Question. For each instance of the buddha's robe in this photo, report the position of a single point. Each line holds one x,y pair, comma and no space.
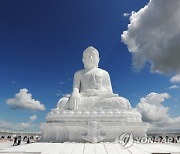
95,92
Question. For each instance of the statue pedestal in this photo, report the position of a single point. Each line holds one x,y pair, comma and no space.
75,125
97,114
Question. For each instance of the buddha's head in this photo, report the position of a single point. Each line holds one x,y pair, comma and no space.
90,58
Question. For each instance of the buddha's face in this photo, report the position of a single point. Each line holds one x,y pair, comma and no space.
91,60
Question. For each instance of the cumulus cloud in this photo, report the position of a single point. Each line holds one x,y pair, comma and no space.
29,124
151,107
153,36
23,126
154,112
126,14
24,100
175,78
32,118
174,87
5,125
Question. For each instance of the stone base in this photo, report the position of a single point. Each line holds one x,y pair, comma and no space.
74,126
54,132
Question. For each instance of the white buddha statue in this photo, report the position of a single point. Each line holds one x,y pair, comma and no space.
92,87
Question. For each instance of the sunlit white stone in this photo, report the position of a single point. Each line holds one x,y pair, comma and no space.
92,103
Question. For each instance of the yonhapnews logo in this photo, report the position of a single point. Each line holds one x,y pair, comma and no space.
126,140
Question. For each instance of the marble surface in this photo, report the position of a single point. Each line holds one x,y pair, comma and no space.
92,101
92,87
89,148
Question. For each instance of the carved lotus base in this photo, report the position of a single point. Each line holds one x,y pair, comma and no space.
72,126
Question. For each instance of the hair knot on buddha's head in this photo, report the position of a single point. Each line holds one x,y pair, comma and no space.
90,49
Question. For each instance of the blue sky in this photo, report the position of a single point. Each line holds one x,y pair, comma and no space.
41,45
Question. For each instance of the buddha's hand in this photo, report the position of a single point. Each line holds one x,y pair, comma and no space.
74,99
75,93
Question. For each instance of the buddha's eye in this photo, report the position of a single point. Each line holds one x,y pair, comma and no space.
90,55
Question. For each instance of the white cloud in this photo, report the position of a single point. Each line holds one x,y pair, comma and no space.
23,126
174,87
5,125
126,14
24,100
154,112
59,93
32,118
175,78
153,36
151,107
64,82
61,83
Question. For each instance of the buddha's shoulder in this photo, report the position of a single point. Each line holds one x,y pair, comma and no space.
83,71
79,72
102,70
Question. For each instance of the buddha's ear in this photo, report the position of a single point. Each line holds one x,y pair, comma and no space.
98,59
83,60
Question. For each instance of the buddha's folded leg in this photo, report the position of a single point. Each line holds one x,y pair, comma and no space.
113,103
88,102
63,103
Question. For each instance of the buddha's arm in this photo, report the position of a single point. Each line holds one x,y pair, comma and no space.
107,82
76,82
74,99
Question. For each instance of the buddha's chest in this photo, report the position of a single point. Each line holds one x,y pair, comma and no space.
92,80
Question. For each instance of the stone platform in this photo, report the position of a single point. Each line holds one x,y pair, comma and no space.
88,148
106,125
